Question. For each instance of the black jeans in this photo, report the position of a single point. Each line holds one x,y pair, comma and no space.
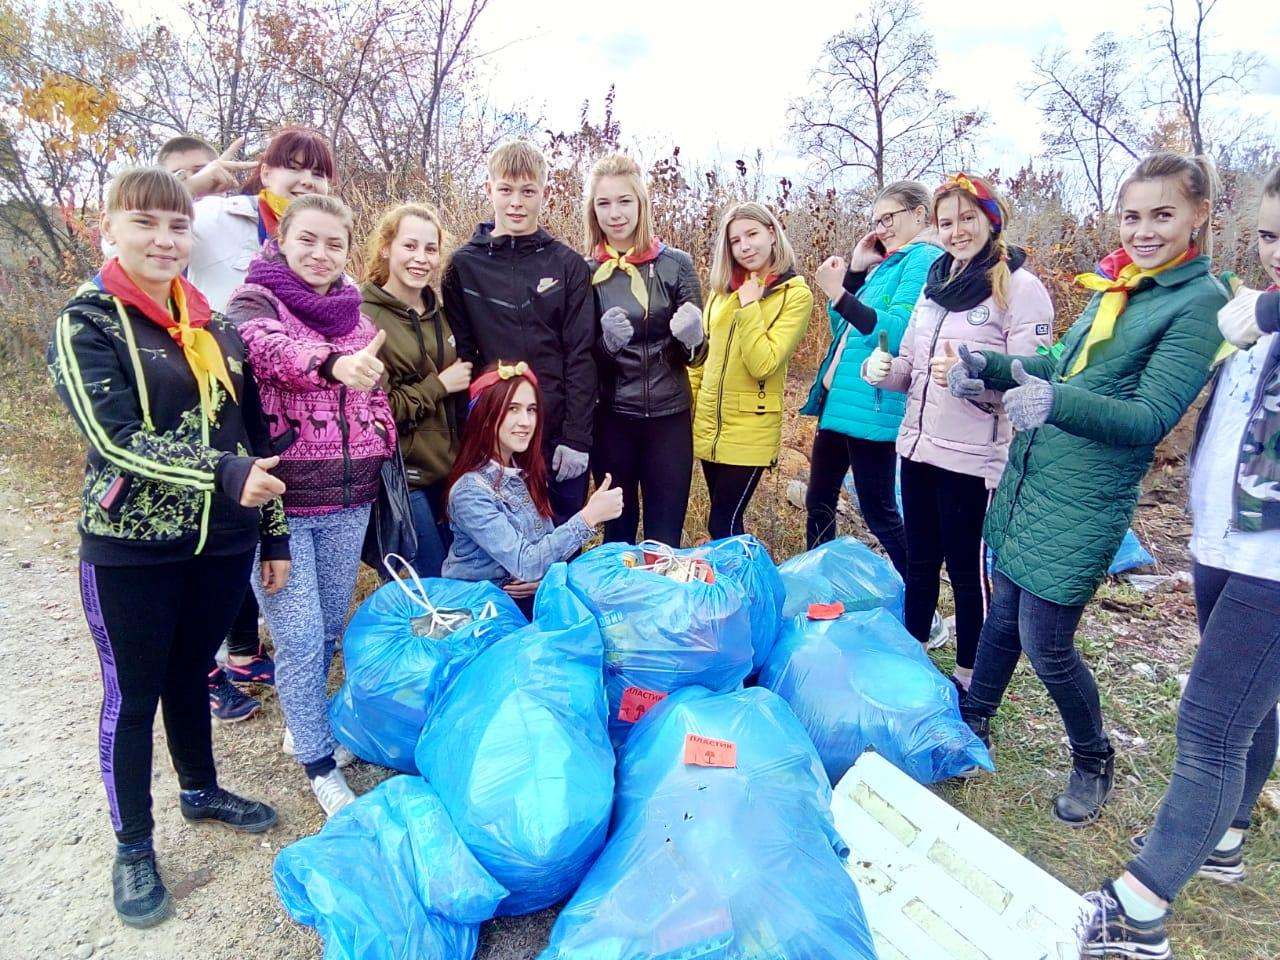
155,629
731,487
651,460
1020,621
567,496
942,514
1226,728
875,466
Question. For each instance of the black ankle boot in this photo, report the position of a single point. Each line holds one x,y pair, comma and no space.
1087,790
981,726
140,895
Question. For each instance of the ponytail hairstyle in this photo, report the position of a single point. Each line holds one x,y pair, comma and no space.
317,201
1196,177
480,435
978,193
616,165
782,259
377,267
306,148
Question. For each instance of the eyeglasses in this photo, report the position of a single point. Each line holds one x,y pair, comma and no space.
885,222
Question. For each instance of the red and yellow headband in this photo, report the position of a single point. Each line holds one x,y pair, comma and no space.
504,371
981,196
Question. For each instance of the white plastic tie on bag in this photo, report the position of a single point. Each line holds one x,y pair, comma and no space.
442,622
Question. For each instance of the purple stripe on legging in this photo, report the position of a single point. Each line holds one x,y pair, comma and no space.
110,715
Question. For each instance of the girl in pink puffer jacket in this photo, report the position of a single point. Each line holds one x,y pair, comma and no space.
315,358
978,295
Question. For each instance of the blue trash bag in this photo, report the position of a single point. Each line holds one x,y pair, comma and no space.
746,561
661,634
1130,555
388,878
844,570
739,862
862,681
402,649
519,753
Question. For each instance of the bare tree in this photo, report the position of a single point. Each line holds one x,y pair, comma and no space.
1089,111
873,110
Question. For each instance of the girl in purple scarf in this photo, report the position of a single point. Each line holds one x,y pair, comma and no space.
315,359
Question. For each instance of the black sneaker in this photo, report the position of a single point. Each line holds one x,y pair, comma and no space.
140,895
1110,932
226,703
1224,867
1087,790
225,808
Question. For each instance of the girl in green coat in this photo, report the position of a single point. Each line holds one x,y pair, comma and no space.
1089,415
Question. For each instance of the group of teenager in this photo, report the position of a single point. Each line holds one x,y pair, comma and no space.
240,393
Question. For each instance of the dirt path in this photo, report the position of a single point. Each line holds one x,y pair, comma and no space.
55,838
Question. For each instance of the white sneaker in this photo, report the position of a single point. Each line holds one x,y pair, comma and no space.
332,791
341,755
939,635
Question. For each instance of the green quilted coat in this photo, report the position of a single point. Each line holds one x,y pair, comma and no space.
1068,492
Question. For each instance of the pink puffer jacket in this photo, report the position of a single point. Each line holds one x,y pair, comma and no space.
332,440
965,436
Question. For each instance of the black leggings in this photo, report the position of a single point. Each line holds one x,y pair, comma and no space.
243,640
943,513
874,464
731,488
650,459
155,629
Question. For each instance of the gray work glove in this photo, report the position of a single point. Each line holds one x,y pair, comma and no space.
686,326
1030,402
963,378
569,463
616,330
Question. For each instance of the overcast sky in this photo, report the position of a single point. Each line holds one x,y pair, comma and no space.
716,80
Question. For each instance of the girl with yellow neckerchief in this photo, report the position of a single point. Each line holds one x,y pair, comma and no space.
649,307
1088,416
227,233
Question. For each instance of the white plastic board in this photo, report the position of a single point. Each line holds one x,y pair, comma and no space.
936,886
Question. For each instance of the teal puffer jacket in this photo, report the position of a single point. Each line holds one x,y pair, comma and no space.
852,406
1068,492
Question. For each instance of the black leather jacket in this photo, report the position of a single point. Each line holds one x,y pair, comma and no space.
647,378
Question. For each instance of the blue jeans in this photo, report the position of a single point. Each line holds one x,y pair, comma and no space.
1226,728
433,536
1020,621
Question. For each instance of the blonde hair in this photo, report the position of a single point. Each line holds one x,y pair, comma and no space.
518,160
377,267
616,165
148,188
323,202
722,263
998,274
1195,175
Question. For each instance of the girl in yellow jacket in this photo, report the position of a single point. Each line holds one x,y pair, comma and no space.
755,317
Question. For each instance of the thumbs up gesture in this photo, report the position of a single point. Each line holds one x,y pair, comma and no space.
963,373
260,486
605,504
361,370
1030,402
940,364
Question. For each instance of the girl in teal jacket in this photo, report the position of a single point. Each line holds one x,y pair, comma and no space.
870,299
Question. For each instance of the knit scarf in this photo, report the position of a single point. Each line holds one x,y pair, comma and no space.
332,314
1117,275
972,285
199,346
611,260
271,207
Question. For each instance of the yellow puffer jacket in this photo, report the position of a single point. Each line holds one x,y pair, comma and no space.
738,390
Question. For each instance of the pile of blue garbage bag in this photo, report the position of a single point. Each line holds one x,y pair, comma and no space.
656,746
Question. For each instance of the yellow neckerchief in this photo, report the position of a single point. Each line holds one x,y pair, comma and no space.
277,203
619,261
201,349
1234,283
1115,297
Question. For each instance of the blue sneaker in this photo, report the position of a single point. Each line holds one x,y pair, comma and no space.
226,703
1110,932
261,669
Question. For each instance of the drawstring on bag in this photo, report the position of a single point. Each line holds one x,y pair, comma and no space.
439,621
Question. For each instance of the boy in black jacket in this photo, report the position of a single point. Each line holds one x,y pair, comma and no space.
514,292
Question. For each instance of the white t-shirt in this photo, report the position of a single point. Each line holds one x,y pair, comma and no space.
1213,475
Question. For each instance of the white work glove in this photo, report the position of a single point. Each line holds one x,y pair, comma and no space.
1238,320
686,326
568,463
616,329
876,367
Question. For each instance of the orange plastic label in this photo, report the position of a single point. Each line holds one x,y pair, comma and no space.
706,752
636,702
826,611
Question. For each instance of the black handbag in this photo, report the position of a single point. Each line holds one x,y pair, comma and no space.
391,519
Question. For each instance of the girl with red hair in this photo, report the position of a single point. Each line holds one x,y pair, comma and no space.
498,503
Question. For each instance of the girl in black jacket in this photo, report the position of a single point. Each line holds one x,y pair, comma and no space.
649,307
